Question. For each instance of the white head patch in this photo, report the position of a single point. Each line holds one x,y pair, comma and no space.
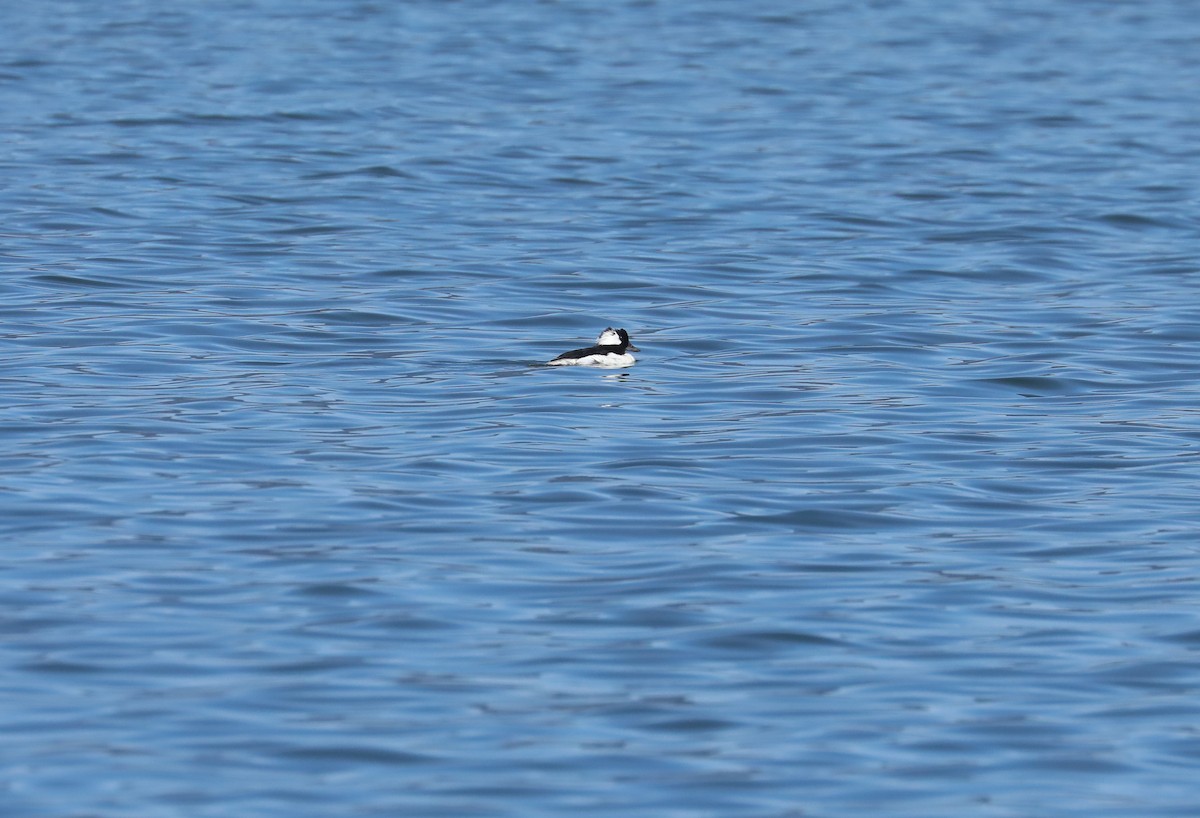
608,338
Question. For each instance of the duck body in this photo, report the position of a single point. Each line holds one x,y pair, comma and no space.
611,351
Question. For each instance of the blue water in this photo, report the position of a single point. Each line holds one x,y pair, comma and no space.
898,513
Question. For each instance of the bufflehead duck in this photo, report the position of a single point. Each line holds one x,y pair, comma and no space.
609,352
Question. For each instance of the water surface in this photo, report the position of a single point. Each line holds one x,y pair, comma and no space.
895,514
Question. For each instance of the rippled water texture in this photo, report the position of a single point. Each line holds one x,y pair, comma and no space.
896,515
